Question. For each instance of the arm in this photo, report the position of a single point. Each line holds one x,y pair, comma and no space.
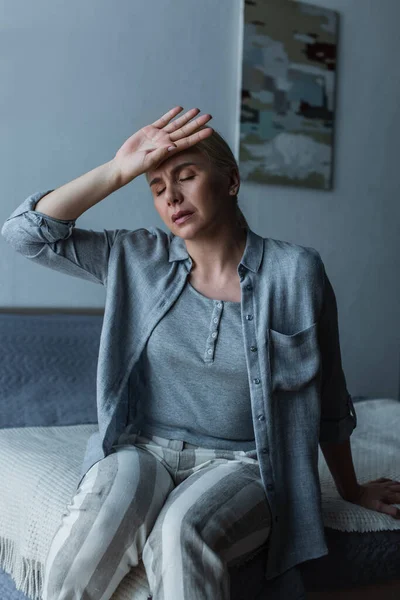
338,420
338,417
46,233
340,462
49,236
71,200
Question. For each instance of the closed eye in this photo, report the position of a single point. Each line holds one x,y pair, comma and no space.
191,177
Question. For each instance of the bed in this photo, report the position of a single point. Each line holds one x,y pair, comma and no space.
48,360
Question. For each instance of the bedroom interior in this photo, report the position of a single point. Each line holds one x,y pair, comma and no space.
67,117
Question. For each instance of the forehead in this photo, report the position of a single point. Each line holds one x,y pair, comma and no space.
175,162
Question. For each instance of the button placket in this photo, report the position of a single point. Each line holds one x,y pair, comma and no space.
256,390
213,335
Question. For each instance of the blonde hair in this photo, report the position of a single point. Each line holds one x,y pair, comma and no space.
219,154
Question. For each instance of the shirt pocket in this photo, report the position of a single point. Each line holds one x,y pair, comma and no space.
294,359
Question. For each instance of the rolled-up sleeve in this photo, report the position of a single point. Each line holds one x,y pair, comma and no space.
338,416
57,243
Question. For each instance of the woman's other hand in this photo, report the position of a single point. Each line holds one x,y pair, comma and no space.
379,495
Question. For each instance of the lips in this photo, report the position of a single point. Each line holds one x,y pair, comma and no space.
180,214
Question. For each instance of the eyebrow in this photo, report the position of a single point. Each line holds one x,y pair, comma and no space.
176,168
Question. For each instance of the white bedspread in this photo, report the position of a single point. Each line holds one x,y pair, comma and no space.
40,470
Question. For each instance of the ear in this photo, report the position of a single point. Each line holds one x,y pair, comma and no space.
235,180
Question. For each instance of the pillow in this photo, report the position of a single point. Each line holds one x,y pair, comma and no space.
48,367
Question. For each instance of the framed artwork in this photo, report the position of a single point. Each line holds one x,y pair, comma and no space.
288,93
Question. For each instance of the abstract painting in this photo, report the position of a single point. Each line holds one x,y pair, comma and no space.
288,93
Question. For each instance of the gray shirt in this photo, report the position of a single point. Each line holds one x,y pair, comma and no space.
289,323
196,389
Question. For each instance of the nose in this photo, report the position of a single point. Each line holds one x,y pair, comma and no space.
171,195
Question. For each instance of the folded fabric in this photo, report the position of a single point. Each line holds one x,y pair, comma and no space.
41,467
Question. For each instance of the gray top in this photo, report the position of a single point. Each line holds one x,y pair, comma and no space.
298,391
197,389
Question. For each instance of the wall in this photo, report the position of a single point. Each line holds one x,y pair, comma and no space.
356,226
78,78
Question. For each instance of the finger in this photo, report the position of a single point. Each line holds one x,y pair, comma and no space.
193,139
392,498
378,482
388,510
182,120
165,119
154,159
189,128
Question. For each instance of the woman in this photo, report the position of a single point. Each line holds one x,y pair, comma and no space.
219,373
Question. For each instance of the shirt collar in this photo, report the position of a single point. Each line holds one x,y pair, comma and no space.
251,259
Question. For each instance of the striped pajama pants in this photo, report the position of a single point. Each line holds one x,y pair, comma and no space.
189,513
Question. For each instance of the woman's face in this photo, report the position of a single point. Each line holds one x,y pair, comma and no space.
195,187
